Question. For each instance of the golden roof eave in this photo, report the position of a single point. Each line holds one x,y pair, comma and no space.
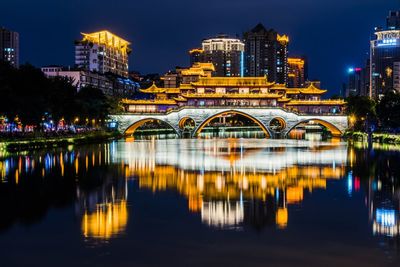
149,102
180,99
284,99
316,102
153,90
235,96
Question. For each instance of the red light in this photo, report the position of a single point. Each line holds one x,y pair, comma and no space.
357,183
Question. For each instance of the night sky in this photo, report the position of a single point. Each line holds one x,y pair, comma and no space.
333,34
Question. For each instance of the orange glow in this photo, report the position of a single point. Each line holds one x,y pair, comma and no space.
106,222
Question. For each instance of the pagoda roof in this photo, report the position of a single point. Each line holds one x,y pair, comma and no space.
312,90
153,89
232,82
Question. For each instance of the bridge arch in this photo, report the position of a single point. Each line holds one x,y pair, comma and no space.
277,123
336,132
199,128
133,127
182,122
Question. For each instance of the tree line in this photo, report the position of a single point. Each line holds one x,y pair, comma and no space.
27,93
382,114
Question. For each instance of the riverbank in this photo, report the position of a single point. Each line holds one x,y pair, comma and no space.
42,142
380,138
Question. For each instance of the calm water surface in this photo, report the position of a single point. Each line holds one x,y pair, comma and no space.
229,202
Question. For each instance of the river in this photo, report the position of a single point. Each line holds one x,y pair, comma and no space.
201,202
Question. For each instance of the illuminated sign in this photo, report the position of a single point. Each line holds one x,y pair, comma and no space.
388,35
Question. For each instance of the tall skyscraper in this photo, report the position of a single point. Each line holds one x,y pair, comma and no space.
9,47
355,82
266,54
102,52
297,72
226,54
385,52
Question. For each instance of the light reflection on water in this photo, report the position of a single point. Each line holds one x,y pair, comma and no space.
228,184
217,176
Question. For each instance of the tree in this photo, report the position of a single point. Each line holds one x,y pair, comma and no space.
28,94
388,110
92,103
362,108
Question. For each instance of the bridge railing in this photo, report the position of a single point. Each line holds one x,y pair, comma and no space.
174,110
169,111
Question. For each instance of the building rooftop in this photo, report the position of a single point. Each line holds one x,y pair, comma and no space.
107,38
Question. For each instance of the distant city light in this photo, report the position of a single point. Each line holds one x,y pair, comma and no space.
386,217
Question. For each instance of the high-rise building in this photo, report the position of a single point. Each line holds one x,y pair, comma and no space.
385,51
355,82
297,72
393,20
226,54
266,54
9,47
102,52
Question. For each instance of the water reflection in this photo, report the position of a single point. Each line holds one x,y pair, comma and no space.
378,171
103,211
33,184
235,182
229,184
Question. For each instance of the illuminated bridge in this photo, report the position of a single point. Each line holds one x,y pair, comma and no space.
264,117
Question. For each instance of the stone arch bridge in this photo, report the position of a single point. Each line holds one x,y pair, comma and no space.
129,122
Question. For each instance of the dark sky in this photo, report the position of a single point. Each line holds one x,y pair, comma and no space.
333,34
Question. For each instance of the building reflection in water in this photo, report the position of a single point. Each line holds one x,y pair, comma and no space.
85,176
235,182
104,211
378,172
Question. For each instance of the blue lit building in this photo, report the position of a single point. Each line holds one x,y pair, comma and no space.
385,57
358,81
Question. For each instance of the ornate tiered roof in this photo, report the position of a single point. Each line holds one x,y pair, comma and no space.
234,88
153,89
232,82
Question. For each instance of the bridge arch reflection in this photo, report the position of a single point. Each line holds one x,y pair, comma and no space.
203,124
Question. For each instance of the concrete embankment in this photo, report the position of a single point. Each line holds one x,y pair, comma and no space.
23,144
381,138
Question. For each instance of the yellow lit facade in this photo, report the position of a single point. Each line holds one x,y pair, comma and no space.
199,89
103,52
296,72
